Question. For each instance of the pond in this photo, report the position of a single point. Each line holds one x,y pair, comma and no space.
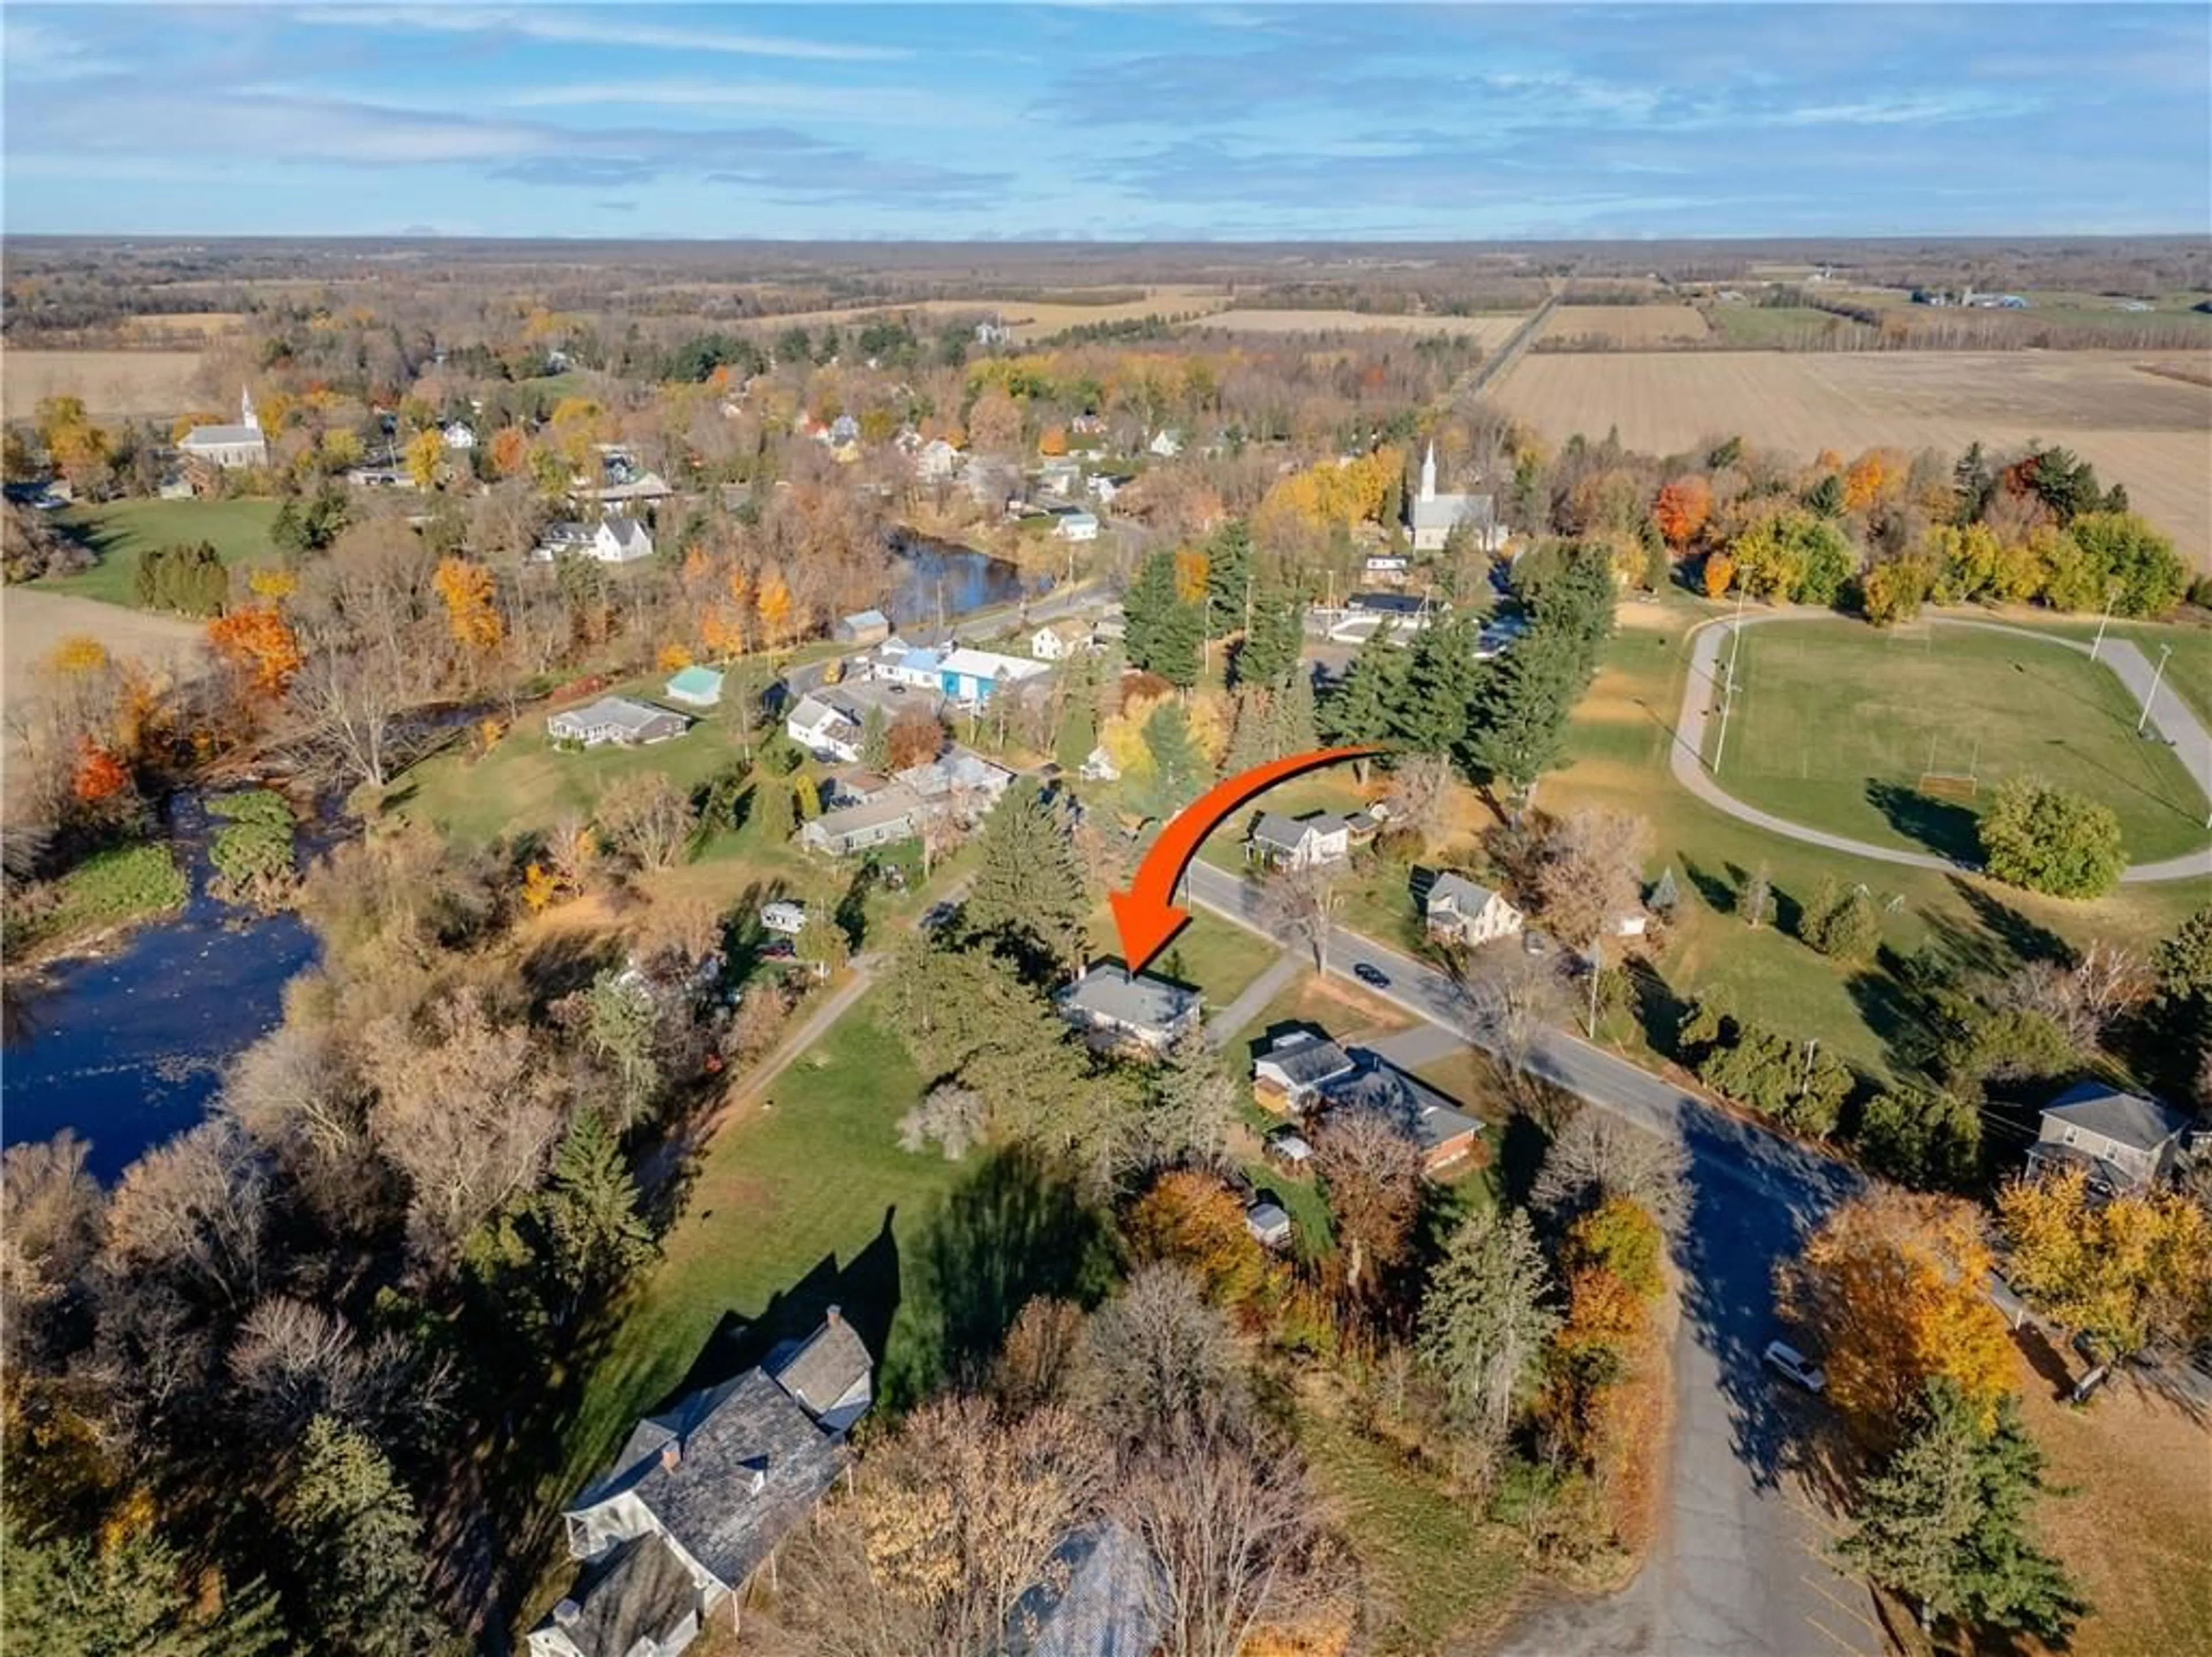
128,1047
943,581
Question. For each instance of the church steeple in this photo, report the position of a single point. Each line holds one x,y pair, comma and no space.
245,406
1429,473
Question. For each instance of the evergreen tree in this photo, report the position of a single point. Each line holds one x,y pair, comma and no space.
1164,632
1191,1108
1973,482
1028,897
360,1566
1362,707
1229,574
1078,718
1180,770
127,1596
773,807
1272,641
620,1026
1253,730
1294,715
876,740
1432,713
1522,722
288,533
1946,1521
1486,1315
592,1209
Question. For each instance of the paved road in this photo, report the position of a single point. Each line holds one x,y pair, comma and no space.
2172,716
1738,1570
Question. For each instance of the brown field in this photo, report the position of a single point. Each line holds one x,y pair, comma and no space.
111,382
1030,319
1490,330
187,324
1629,325
2149,431
31,622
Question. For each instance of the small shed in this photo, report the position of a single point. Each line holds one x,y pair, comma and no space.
785,916
862,627
1269,1224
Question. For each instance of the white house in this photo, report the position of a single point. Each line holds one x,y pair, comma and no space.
1102,488
1166,444
621,540
1435,516
1099,766
1061,475
1294,1073
1056,641
618,719
1116,1008
936,460
1074,526
230,447
1460,911
458,435
959,776
785,916
824,725
1281,842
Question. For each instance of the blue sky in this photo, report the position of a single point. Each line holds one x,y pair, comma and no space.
1185,122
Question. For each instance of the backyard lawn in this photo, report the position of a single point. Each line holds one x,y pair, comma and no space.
1836,721
120,530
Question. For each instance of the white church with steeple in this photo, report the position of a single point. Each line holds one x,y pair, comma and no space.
1435,516
230,447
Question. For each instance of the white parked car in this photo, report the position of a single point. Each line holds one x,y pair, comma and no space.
1794,1365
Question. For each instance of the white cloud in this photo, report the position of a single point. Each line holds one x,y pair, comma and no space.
31,50
849,103
599,26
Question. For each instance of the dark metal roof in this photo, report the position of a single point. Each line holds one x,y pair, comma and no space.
1308,1063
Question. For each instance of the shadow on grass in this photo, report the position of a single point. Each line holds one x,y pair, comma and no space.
1944,827
1014,1229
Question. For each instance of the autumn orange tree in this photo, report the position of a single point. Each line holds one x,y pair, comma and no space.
1681,510
99,773
1894,1289
2121,1270
1193,1220
772,602
256,639
1719,573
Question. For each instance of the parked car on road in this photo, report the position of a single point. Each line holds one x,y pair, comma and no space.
1370,975
1795,1367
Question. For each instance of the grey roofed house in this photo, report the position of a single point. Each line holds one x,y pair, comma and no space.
1399,604
1300,1063
2125,1140
1099,1597
1456,894
640,1596
962,768
1269,1224
616,719
1109,1001
1444,1132
890,814
862,627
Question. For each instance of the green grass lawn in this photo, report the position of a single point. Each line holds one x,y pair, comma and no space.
120,530
1767,325
1213,955
1619,744
1836,721
2188,643
1433,1574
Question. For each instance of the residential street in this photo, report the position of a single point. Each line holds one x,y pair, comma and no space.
1738,1568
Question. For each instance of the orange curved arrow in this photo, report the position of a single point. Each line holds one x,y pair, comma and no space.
1146,915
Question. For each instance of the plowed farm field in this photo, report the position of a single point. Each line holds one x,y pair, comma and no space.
2149,431
110,382
1615,327
1488,330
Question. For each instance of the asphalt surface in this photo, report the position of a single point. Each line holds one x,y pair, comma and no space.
2170,716
1739,1569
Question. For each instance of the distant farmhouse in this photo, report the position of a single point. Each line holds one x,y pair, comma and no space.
612,540
1463,911
617,720
230,447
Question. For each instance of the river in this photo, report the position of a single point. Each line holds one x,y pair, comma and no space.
127,1047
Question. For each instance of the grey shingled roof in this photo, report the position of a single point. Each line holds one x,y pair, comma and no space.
641,1591
1099,1597
618,711
200,434
726,1435
1458,895
1308,1063
1273,829
2127,1118
1426,1114
1142,1003
825,1366
1442,511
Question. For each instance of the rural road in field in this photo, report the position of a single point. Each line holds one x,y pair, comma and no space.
1738,1568
2175,721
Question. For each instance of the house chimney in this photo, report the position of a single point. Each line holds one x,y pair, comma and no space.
672,1455
833,1317
566,1612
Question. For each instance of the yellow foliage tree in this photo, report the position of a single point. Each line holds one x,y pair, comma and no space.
1863,484
425,452
467,588
773,605
674,657
271,583
2121,1269
340,447
1894,1286
1719,572
77,654
1190,571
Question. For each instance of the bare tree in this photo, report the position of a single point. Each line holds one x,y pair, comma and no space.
292,1362
1756,905
1301,905
1597,1155
196,1211
2085,996
1513,994
1159,1362
648,818
298,1093
1371,1165
949,1116
1589,874
1417,800
1235,1531
348,705
50,1228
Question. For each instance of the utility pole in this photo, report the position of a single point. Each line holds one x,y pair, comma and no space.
1727,694
2164,651
1596,966
2112,592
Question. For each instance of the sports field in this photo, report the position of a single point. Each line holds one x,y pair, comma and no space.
2149,431
1836,723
